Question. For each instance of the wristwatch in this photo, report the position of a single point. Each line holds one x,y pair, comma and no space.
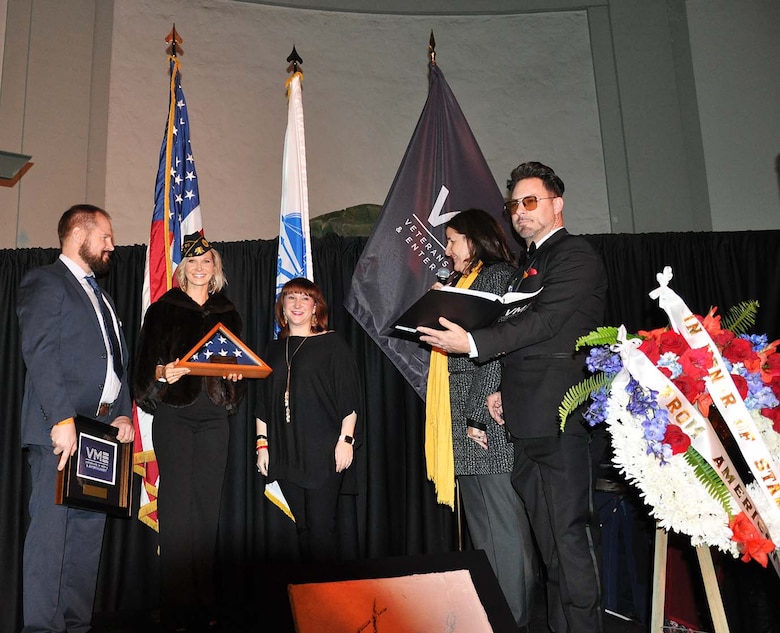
347,438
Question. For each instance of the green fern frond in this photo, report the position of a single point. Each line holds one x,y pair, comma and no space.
606,335
741,317
579,393
709,478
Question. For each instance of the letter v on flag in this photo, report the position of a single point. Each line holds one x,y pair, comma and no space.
442,172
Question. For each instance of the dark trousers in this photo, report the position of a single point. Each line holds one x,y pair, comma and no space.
191,447
314,510
61,555
498,524
555,477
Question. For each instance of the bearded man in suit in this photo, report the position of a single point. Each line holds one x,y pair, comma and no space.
76,359
554,472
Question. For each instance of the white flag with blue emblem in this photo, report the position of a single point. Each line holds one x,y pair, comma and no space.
294,259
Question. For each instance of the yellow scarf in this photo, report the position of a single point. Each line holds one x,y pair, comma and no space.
438,418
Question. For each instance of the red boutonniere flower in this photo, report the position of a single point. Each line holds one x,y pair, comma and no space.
751,543
677,439
529,273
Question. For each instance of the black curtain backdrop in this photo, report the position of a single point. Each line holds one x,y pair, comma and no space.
396,509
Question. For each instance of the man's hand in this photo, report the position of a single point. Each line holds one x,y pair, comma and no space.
126,432
452,340
495,407
63,439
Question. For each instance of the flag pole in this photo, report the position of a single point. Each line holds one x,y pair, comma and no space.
294,256
432,49
176,213
173,39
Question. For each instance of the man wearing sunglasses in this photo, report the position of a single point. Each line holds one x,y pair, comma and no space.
553,472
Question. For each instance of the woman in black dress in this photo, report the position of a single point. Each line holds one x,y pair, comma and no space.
306,417
190,431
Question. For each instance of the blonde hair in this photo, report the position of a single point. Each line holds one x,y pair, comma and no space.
216,283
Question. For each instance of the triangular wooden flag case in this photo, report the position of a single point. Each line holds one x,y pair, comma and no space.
220,353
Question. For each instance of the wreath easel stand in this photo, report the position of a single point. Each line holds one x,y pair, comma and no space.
712,591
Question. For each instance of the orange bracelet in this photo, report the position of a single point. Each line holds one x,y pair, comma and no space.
65,421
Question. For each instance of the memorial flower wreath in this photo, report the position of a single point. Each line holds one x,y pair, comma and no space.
656,390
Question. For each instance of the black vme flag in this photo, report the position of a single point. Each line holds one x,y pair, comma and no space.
442,172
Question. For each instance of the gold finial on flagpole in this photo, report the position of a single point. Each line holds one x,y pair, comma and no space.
174,41
432,49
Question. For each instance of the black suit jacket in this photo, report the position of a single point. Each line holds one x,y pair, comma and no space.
64,351
536,346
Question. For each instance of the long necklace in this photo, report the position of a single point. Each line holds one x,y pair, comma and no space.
288,360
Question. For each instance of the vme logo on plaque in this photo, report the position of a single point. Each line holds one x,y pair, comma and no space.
98,476
97,459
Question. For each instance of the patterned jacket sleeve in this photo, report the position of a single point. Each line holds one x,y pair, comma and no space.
487,376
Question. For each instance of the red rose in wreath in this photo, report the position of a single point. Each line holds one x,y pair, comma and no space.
677,439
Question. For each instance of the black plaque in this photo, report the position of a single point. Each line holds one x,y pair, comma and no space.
98,476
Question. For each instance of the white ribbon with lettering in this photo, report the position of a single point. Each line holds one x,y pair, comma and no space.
681,412
732,408
724,392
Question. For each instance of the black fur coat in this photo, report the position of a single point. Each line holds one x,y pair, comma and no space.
172,326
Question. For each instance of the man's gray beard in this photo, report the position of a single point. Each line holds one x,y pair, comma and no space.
96,263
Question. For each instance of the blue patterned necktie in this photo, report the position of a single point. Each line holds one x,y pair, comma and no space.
108,324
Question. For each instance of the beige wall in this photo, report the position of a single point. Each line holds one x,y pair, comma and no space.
365,83
606,93
736,59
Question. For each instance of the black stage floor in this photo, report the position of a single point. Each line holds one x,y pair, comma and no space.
261,603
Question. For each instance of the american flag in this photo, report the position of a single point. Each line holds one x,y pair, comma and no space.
176,214
221,346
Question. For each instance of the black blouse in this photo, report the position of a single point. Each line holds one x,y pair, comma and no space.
324,389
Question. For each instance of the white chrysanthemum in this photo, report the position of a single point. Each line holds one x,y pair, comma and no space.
677,500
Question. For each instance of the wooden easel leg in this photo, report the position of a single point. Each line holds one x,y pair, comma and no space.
659,581
714,599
